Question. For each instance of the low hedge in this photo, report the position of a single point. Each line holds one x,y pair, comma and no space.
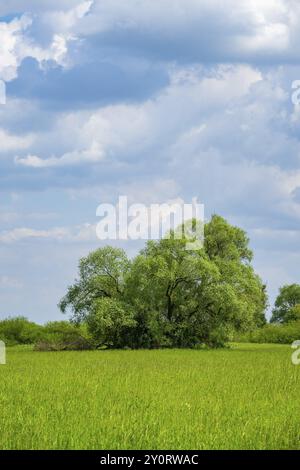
272,333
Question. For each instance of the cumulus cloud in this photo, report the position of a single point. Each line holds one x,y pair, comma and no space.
191,31
15,46
122,130
206,31
10,41
232,123
16,42
82,233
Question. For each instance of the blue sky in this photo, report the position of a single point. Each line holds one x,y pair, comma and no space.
155,99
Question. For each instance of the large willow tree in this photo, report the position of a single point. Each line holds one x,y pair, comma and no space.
169,296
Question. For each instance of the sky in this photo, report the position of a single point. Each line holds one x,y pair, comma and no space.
159,100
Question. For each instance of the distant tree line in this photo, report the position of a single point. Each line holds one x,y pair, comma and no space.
56,335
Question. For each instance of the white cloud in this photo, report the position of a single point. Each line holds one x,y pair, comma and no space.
64,21
265,28
91,155
23,233
235,29
231,125
117,130
16,43
11,36
79,233
11,142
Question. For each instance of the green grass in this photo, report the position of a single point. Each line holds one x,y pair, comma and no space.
247,397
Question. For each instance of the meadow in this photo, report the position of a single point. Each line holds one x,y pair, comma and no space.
245,397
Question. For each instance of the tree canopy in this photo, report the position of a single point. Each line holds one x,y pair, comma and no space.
168,296
287,304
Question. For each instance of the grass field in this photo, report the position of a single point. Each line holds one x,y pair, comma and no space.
247,397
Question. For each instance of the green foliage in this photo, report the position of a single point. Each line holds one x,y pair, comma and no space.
19,330
294,313
287,304
101,275
63,335
169,296
272,333
225,241
52,336
109,321
192,296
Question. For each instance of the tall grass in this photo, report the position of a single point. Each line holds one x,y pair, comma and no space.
246,397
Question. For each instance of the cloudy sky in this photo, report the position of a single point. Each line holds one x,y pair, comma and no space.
155,99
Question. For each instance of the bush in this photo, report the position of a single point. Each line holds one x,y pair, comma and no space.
19,330
110,322
273,333
80,344
63,336
54,336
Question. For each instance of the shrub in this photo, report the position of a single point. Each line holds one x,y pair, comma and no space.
110,322
79,344
273,333
63,336
19,330
54,336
